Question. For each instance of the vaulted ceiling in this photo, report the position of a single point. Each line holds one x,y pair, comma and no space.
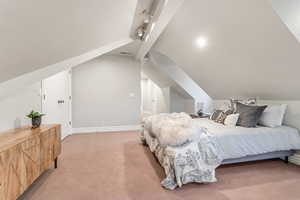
249,53
35,34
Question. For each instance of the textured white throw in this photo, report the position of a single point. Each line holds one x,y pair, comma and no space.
173,129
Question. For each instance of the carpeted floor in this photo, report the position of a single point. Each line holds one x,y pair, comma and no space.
115,166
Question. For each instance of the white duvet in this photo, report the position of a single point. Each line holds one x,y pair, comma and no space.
237,142
233,142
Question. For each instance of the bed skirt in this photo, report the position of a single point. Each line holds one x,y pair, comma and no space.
265,156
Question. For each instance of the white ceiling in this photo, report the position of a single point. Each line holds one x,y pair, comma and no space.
250,52
35,34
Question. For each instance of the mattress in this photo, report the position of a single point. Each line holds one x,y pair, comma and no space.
237,142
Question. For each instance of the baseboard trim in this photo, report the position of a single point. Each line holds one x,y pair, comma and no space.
106,129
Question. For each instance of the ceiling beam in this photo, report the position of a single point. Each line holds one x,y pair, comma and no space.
166,9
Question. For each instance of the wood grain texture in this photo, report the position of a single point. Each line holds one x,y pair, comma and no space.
24,155
57,143
1,180
31,157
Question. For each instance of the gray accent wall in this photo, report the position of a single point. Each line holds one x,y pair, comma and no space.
106,92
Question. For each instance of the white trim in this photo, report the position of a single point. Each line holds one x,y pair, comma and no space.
106,129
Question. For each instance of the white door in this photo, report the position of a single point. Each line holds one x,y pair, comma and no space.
154,99
57,101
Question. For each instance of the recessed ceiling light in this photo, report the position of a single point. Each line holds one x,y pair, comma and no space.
201,42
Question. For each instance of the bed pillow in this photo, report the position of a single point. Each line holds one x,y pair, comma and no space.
231,120
221,118
273,116
249,101
249,115
218,116
215,114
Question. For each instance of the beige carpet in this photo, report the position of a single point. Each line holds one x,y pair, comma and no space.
115,166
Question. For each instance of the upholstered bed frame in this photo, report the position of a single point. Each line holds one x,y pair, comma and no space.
272,155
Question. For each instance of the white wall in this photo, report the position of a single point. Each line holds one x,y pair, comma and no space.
14,108
176,102
189,106
164,100
181,78
157,76
146,100
180,104
106,92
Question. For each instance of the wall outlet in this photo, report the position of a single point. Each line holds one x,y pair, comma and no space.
131,95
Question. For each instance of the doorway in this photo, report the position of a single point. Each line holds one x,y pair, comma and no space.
57,101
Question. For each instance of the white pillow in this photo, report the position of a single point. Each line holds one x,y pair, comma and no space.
273,115
231,120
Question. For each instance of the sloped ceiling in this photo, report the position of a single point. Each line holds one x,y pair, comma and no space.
35,34
289,12
250,52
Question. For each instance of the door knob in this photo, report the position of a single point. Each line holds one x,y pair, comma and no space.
60,101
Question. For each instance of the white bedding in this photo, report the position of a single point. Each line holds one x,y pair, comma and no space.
186,158
237,142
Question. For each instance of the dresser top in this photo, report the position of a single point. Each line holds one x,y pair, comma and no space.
15,136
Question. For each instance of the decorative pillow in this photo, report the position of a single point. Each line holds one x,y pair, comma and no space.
215,114
273,115
249,101
220,119
218,116
249,115
228,112
231,120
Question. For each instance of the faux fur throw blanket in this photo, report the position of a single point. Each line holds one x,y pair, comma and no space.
173,129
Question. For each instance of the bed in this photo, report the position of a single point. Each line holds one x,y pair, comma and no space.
238,142
196,161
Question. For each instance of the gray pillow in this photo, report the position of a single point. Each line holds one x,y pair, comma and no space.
249,115
249,101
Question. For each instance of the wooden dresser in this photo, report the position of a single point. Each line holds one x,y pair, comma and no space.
25,154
